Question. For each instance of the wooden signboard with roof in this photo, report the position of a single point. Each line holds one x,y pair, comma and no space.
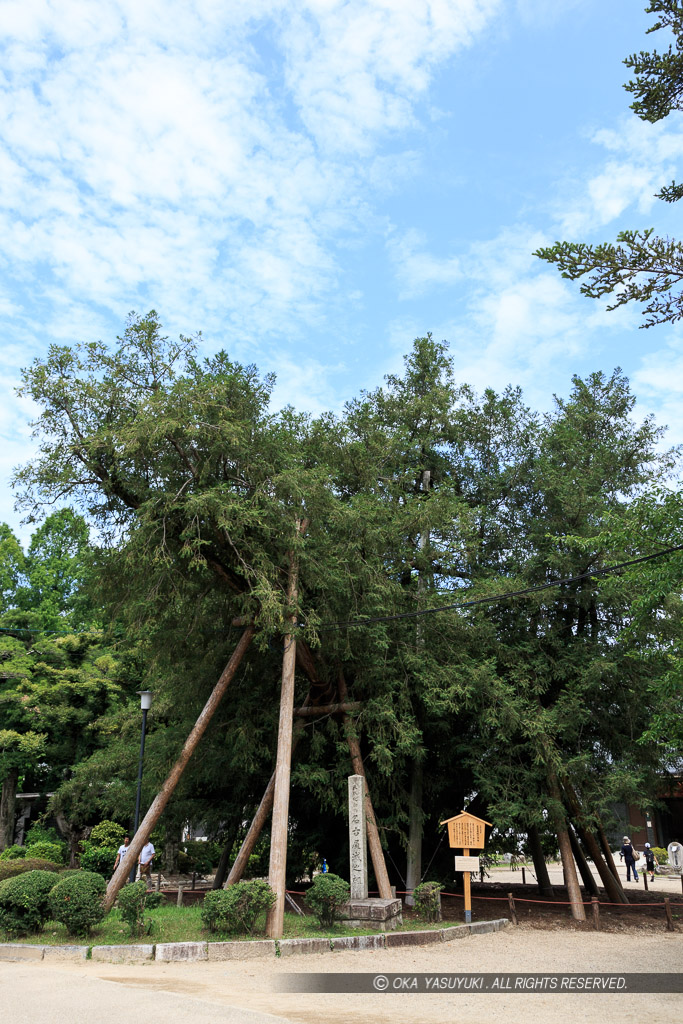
466,832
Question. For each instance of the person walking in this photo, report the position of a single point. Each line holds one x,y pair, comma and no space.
628,854
650,861
145,861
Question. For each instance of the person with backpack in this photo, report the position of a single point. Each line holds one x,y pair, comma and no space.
628,854
650,861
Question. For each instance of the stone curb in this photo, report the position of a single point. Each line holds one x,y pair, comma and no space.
66,952
122,954
186,951
182,951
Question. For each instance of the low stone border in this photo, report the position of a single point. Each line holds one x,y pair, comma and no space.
186,951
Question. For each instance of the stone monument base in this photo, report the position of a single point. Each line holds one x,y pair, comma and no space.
384,915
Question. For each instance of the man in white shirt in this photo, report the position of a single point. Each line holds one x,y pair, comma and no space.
145,862
122,851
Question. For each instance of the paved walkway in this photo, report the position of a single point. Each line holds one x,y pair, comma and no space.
246,992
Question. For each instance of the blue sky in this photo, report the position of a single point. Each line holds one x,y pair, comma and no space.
312,184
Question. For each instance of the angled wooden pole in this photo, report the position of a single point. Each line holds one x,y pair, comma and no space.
374,841
571,879
163,796
275,918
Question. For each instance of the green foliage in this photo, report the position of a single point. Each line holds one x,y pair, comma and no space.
39,833
24,902
47,851
76,901
108,834
99,859
327,895
661,854
15,853
132,902
427,898
199,856
237,908
10,868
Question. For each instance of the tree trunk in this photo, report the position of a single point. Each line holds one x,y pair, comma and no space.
571,880
8,799
609,859
222,868
164,795
414,851
540,866
275,918
374,842
613,887
589,883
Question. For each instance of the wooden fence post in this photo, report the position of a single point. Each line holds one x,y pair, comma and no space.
669,918
595,903
513,911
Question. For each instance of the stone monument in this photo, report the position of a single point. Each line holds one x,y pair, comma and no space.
358,847
361,911
675,851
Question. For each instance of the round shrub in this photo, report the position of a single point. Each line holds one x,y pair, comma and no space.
13,853
107,834
133,901
427,898
24,902
236,908
76,901
10,868
326,896
99,859
661,854
47,851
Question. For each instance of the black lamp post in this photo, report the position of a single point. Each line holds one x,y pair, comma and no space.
145,704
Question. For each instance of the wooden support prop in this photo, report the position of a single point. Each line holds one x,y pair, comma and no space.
645,880
607,854
669,917
310,711
374,842
595,904
275,919
610,880
571,881
163,796
589,883
511,902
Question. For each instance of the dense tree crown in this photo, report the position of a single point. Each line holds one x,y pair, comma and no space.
420,495
641,267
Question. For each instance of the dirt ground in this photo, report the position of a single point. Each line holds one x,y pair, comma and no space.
247,992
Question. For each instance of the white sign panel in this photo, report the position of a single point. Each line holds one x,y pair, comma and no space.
466,863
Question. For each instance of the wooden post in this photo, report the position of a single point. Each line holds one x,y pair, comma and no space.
179,900
164,795
523,876
466,881
374,842
571,881
669,918
513,909
595,903
275,918
645,881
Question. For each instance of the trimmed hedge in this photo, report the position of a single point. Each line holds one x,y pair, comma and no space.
47,851
328,893
25,902
236,908
10,868
428,901
99,859
132,902
13,852
76,901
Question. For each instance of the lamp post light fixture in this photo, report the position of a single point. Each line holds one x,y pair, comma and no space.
145,705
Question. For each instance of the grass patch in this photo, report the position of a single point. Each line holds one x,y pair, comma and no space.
184,924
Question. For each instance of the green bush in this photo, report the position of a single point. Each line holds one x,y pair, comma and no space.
107,834
428,901
38,833
99,859
661,854
236,908
76,901
13,853
24,901
327,894
133,901
10,868
198,855
48,851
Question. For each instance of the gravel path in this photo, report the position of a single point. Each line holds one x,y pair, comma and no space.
246,992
